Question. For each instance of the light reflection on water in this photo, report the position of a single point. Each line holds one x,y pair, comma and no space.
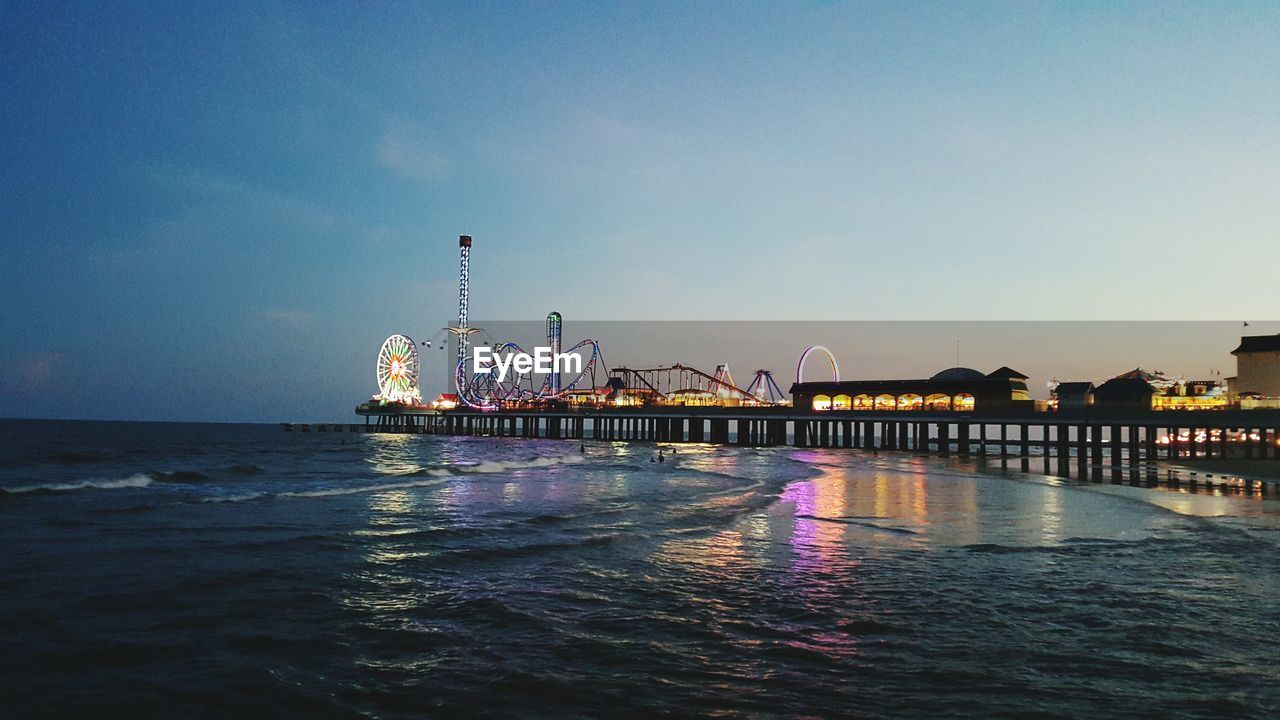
774,582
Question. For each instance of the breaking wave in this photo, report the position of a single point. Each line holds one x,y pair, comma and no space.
133,481
355,490
498,466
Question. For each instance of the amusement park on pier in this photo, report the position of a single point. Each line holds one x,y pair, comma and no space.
588,383
1119,424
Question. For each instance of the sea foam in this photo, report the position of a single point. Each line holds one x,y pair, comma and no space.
133,481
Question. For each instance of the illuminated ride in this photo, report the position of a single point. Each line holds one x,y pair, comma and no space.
485,391
681,385
765,390
835,369
398,371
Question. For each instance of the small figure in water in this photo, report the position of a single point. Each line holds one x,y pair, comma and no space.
582,448
660,457
652,459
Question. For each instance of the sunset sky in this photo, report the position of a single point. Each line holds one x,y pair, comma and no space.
219,210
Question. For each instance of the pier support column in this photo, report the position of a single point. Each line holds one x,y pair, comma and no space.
1095,449
1044,444
1024,453
1082,451
1062,433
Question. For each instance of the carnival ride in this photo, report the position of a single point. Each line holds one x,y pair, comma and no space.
835,368
765,390
398,371
681,385
491,389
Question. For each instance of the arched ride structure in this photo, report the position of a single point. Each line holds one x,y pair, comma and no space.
679,385
487,391
835,368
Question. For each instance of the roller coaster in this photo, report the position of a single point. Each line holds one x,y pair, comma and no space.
685,385
492,389
489,391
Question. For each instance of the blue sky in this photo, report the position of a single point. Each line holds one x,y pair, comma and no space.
233,203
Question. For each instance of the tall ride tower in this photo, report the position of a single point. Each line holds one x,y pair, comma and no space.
464,289
553,341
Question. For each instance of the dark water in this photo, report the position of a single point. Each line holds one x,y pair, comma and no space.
235,571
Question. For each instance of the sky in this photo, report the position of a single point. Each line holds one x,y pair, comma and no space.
219,210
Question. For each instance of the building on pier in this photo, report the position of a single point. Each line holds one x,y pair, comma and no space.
1153,390
1125,392
1193,395
1257,380
954,389
1072,395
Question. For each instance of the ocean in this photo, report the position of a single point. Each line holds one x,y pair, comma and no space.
201,570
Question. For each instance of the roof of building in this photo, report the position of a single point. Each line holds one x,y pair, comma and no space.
1074,388
1006,372
1124,389
1258,343
958,373
1137,374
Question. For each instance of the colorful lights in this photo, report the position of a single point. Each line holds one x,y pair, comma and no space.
398,371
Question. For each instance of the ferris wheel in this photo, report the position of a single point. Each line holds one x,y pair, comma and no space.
398,371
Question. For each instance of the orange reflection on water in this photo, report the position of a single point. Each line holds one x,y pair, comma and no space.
721,552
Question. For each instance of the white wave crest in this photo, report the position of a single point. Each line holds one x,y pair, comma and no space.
233,498
133,481
497,466
438,476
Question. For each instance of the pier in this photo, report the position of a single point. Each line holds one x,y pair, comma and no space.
1084,444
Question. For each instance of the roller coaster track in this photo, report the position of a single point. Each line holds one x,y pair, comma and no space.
650,378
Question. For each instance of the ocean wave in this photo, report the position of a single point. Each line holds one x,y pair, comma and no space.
233,498
850,520
356,489
437,475
178,476
245,470
485,467
133,481
497,466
